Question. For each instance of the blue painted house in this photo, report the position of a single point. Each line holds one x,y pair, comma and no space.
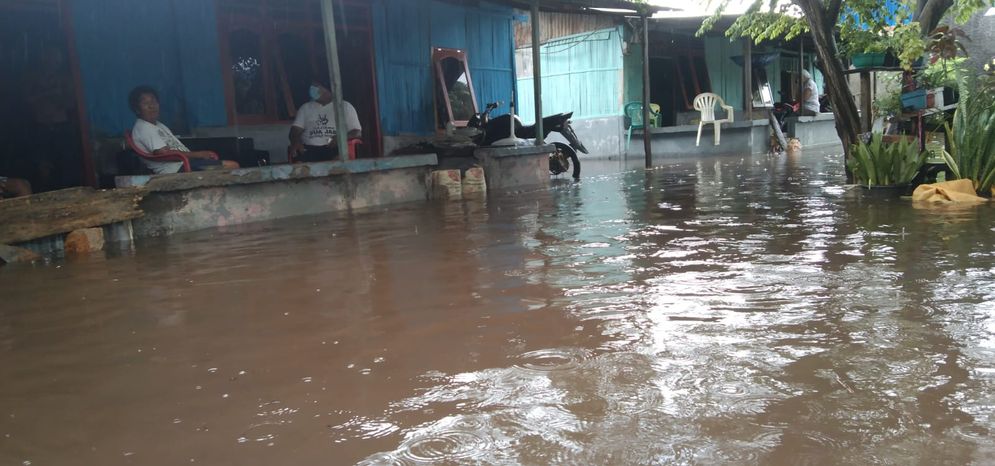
242,67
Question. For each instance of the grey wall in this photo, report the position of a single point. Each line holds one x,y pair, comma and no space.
742,137
169,212
981,30
270,138
602,136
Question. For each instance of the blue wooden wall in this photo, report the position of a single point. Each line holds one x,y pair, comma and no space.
404,34
171,45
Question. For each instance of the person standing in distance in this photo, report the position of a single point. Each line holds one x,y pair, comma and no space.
312,134
810,95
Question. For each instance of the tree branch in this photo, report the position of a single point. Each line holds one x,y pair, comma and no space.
930,13
833,10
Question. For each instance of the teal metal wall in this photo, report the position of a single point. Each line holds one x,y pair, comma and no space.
404,34
580,73
726,76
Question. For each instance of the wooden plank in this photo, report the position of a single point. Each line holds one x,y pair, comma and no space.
40,215
865,102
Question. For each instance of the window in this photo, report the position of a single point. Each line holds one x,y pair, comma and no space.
692,77
245,53
272,50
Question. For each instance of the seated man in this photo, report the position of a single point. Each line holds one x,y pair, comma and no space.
153,137
810,95
14,187
312,135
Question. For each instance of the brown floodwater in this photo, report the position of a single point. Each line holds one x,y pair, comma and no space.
713,311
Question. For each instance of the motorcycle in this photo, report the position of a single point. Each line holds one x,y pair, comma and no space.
560,161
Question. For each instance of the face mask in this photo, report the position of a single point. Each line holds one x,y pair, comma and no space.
314,92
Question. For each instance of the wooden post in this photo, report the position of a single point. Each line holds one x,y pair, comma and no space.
748,79
536,75
647,144
865,101
86,145
334,73
801,66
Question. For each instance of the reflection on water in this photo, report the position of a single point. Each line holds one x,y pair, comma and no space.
714,311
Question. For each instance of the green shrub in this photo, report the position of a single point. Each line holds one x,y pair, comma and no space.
885,164
971,152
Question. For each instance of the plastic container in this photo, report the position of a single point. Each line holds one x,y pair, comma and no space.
914,100
867,60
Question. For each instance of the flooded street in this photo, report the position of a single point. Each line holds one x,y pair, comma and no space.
713,311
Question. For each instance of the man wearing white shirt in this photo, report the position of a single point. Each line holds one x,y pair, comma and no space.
312,135
810,95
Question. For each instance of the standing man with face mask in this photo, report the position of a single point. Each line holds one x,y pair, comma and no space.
312,135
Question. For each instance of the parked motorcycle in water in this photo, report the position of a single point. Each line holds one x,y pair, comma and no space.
561,161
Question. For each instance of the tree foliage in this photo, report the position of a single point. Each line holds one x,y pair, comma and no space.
840,27
862,25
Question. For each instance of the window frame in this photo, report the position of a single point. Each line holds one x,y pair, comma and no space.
269,30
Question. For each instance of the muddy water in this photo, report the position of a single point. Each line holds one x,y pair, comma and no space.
721,311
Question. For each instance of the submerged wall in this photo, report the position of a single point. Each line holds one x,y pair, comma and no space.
195,201
741,137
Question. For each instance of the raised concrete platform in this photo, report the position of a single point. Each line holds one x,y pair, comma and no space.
740,137
819,130
192,201
513,167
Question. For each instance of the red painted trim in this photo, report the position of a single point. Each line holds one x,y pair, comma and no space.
89,170
224,49
377,130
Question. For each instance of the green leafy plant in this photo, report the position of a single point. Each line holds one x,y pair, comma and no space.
971,151
943,73
907,43
876,163
856,41
889,103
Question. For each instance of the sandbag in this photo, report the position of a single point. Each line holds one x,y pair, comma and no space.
947,191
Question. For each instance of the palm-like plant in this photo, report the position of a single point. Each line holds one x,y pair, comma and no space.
971,153
876,163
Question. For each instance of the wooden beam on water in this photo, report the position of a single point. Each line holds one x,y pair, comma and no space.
40,215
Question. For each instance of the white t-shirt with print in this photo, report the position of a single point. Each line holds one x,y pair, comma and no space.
150,138
318,122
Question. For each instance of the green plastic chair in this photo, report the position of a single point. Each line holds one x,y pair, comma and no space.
634,110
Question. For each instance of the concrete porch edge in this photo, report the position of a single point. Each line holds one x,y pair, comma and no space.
270,173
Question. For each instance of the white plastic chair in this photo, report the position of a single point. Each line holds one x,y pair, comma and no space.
705,103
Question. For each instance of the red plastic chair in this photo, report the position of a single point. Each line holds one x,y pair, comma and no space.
352,150
164,156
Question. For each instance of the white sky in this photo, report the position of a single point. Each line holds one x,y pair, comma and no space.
698,7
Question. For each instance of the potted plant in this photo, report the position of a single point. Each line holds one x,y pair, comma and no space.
971,150
876,164
946,64
865,48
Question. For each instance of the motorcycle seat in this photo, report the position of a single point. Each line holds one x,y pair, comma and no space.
558,115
